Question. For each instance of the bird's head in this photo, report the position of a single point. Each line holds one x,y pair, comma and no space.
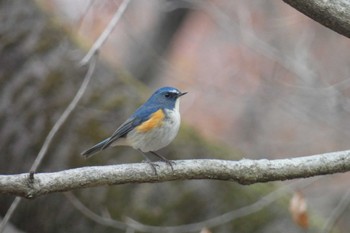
166,97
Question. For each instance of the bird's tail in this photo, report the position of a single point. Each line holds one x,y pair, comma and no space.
96,148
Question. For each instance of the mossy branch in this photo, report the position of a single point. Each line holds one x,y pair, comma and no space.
244,171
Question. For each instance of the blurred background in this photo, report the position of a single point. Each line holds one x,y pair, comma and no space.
264,81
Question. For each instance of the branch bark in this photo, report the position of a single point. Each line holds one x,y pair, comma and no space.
334,14
244,171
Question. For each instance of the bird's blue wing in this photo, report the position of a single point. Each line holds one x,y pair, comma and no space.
125,128
141,115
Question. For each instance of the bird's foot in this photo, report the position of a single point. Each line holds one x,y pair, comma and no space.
153,165
165,160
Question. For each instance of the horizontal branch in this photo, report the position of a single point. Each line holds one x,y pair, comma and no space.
244,171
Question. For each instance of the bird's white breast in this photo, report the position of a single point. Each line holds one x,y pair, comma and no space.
158,137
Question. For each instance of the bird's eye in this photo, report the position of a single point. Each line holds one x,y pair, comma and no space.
167,95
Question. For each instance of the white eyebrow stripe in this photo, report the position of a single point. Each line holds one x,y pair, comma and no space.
173,91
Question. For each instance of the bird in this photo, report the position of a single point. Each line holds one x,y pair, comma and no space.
151,127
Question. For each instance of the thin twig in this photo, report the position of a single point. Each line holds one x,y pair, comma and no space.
91,215
70,107
91,3
226,217
63,117
133,225
108,30
49,138
9,213
337,212
253,41
88,57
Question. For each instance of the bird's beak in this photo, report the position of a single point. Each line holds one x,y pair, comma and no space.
181,94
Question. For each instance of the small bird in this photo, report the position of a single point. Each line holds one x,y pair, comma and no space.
153,126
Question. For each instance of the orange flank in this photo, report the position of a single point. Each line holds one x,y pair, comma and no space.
154,121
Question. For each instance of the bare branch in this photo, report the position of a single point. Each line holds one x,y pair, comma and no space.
332,14
91,215
223,218
9,213
108,30
191,227
72,105
342,205
50,137
87,59
244,171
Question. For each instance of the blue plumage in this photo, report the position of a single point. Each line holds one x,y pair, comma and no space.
165,98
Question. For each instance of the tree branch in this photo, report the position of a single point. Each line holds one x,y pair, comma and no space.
245,171
42,153
338,211
105,34
334,14
215,221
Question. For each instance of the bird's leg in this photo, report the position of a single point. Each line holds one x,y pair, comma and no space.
153,165
170,163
